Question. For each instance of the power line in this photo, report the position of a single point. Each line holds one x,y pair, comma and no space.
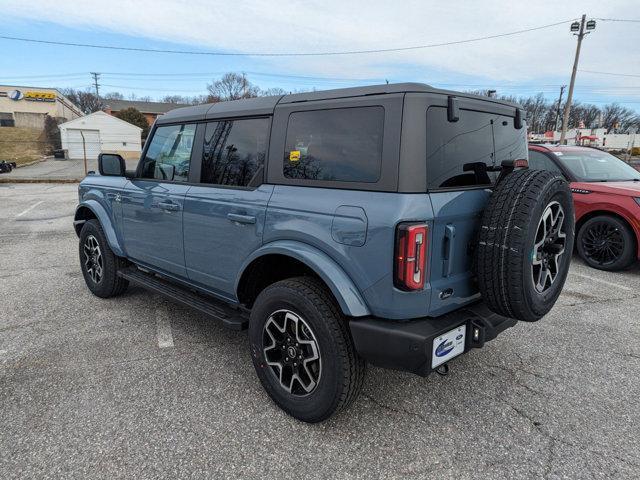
286,54
154,89
629,20
611,73
61,75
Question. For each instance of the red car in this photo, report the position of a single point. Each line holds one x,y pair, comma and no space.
606,195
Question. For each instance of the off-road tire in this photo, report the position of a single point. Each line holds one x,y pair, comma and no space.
629,248
343,370
111,284
506,239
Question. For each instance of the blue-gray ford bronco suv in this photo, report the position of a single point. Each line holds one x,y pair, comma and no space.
396,225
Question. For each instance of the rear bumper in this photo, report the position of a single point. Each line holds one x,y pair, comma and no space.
407,345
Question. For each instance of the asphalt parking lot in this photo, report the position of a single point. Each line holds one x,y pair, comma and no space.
137,387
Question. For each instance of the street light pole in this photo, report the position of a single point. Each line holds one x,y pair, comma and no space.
567,108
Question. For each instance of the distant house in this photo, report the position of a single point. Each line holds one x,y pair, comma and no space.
100,133
151,110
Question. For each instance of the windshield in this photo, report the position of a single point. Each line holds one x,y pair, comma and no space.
597,166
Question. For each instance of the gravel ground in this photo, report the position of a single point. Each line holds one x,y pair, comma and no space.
93,388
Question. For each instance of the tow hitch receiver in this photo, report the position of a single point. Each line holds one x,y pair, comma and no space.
424,345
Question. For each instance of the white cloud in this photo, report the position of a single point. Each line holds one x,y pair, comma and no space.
330,25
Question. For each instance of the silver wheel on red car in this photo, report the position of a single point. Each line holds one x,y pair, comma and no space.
549,247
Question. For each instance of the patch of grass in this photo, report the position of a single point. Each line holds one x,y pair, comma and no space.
21,145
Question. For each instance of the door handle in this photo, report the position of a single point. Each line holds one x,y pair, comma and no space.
234,217
449,236
169,207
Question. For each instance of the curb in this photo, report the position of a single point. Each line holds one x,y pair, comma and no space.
43,159
40,180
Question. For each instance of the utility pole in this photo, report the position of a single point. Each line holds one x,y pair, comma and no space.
84,152
555,125
580,28
96,76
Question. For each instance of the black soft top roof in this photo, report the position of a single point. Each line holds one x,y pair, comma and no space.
266,105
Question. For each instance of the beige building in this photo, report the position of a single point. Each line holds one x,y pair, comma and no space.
28,106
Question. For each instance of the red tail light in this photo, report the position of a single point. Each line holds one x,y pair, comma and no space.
410,256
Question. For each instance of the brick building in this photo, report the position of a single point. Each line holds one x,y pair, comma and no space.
151,110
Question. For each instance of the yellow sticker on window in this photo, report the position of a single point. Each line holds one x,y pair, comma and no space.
294,155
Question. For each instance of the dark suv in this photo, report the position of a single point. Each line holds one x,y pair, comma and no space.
394,224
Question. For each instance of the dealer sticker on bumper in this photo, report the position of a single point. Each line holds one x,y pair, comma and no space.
447,346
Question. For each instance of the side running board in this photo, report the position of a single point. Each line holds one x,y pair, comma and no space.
230,318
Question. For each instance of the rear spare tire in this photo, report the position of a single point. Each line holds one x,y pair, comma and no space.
525,244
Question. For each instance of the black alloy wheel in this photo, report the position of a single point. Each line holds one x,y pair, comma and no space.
607,243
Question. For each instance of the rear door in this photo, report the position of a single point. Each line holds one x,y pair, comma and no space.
153,202
458,156
224,213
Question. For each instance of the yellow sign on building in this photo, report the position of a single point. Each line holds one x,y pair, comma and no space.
40,96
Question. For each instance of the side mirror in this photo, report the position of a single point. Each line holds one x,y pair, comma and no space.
111,164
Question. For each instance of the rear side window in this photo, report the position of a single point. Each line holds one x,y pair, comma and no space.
539,161
234,151
458,153
342,144
169,153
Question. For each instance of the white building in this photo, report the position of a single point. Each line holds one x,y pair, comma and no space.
98,133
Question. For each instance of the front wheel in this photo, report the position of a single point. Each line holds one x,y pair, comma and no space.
302,350
606,243
98,262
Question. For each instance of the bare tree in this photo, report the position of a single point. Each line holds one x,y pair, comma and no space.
272,92
619,119
537,108
113,96
233,86
177,99
87,101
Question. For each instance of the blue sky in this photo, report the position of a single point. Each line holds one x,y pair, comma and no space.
522,64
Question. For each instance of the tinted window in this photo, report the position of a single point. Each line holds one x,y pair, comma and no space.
343,144
458,153
539,161
234,151
511,143
169,153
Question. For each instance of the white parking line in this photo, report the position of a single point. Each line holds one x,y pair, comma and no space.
29,209
594,279
163,329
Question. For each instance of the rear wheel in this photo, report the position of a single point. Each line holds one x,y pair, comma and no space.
606,243
302,350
